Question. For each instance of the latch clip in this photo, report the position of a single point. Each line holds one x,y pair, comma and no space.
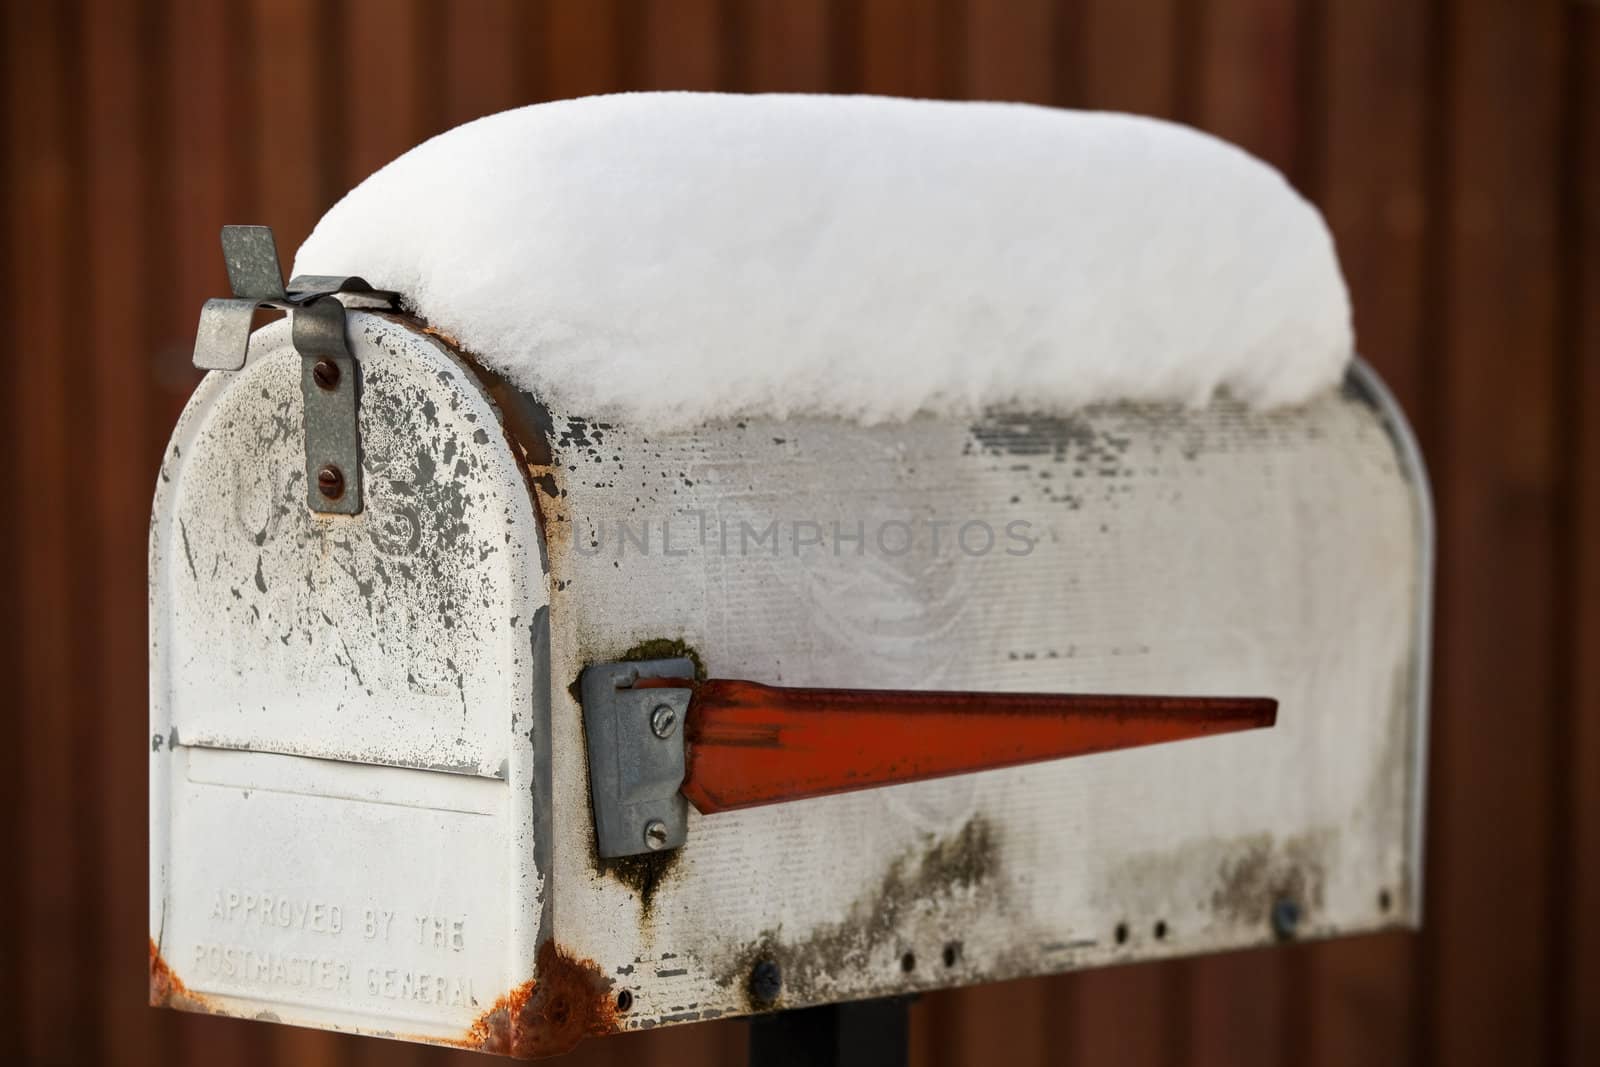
330,377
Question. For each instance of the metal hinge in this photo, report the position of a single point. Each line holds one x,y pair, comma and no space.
636,756
330,376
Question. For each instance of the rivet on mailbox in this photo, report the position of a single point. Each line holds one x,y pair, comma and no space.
851,548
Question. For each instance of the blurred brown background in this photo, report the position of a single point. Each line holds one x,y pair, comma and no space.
1453,144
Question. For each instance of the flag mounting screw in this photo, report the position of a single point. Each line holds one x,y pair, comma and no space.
663,721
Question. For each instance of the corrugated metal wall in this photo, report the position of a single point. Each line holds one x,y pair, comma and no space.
1455,147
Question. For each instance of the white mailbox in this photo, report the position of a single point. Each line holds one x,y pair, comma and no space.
459,722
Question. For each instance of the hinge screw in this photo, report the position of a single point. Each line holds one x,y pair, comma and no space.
326,374
330,482
655,834
663,720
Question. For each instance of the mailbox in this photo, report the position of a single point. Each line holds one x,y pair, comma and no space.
481,721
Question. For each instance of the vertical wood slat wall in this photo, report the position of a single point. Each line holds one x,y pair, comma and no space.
1454,146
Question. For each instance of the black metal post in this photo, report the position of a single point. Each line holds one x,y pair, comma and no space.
865,1033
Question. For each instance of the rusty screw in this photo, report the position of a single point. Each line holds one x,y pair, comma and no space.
766,981
663,720
330,482
326,374
655,834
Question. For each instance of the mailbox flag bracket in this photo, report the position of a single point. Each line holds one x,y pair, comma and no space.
636,755
330,376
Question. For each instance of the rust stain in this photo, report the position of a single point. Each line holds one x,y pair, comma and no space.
644,874
548,1015
666,648
570,1000
167,989
447,338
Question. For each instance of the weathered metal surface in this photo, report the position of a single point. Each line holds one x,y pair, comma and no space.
1133,549
377,712
223,337
251,255
346,818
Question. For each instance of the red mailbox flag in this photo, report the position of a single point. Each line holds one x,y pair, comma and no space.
751,744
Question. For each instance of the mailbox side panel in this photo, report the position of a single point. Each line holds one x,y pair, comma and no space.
349,768
1129,549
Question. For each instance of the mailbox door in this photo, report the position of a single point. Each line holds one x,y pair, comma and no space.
348,821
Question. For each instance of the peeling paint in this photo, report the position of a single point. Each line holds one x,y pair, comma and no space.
387,599
955,865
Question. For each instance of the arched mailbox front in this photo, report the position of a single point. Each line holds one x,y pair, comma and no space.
545,738
346,817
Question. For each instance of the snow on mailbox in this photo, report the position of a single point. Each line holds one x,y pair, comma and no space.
690,556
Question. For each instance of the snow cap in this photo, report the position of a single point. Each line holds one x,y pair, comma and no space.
669,258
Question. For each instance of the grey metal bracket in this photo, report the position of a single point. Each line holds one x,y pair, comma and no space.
636,756
330,376
329,379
